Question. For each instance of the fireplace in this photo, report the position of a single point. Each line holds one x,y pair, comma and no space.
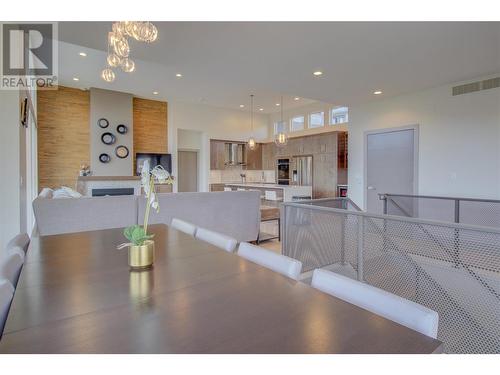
112,191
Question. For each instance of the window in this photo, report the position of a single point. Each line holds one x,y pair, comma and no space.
297,123
279,127
339,115
317,119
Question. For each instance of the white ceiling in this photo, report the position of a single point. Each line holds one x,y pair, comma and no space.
222,63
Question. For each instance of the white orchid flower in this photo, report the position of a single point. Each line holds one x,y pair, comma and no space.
160,174
145,176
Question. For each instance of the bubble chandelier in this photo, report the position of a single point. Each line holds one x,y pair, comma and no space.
119,48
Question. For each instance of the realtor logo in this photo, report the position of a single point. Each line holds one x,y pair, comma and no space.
29,55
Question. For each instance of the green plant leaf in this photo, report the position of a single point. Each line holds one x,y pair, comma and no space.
136,235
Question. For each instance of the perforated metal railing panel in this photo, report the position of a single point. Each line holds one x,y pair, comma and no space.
451,269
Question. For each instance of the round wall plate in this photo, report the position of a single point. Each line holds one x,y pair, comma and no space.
108,138
104,158
103,123
122,129
121,151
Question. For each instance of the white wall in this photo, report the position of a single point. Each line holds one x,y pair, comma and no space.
305,111
9,166
459,140
116,107
213,123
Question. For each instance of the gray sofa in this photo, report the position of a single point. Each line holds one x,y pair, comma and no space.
234,213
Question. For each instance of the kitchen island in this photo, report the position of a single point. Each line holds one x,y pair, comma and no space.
284,192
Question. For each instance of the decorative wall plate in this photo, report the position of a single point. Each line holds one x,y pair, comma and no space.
122,129
108,138
104,158
121,151
103,123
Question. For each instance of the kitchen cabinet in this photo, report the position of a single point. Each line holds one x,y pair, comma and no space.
269,156
254,158
217,155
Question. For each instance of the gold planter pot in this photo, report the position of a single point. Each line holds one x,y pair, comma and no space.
141,257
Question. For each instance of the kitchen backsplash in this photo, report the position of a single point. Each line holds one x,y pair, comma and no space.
233,175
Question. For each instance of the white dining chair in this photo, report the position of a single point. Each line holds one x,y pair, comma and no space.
279,263
217,239
6,294
21,240
228,189
183,226
241,189
11,263
378,301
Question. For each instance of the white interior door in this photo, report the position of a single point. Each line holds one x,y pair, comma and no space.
391,165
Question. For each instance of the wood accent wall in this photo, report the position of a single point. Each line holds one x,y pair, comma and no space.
63,135
150,126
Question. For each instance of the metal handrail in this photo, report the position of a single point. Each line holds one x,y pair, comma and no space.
439,197
399,218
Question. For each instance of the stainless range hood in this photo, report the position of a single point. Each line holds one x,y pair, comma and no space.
234,154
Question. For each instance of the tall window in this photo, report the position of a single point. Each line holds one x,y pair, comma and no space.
297,123
339,115
317,119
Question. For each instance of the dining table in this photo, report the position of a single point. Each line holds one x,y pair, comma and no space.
77,294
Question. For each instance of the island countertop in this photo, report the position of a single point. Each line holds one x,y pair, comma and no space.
290,192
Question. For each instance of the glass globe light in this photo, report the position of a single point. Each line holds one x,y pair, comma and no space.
281,139
150,32
120,28
108,75
251,143
121,47
133,29
128,65
113,60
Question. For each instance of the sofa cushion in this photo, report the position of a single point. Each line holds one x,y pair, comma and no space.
55,216
233,213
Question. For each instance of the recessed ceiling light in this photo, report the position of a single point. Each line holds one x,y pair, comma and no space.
178,75
83,54
242,106
76,79
378,92
155,92
296,98
277,104
318,73
261,109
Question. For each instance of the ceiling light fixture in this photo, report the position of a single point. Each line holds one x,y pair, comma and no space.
251,141
242,106
318,73
155,92
83,54
261,109
119,48
277,104
378,92
281,137
76,79
296,98
178,75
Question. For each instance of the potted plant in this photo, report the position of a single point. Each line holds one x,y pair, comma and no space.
141,246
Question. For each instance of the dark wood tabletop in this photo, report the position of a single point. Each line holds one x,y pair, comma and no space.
77,295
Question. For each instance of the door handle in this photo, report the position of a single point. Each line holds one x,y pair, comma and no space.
371,188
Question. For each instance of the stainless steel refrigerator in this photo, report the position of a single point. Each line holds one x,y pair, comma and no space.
302,167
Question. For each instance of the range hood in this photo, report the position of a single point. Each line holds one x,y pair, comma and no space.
234,154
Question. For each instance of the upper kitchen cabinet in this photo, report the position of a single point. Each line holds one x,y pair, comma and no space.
217,155
269,156
254,157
